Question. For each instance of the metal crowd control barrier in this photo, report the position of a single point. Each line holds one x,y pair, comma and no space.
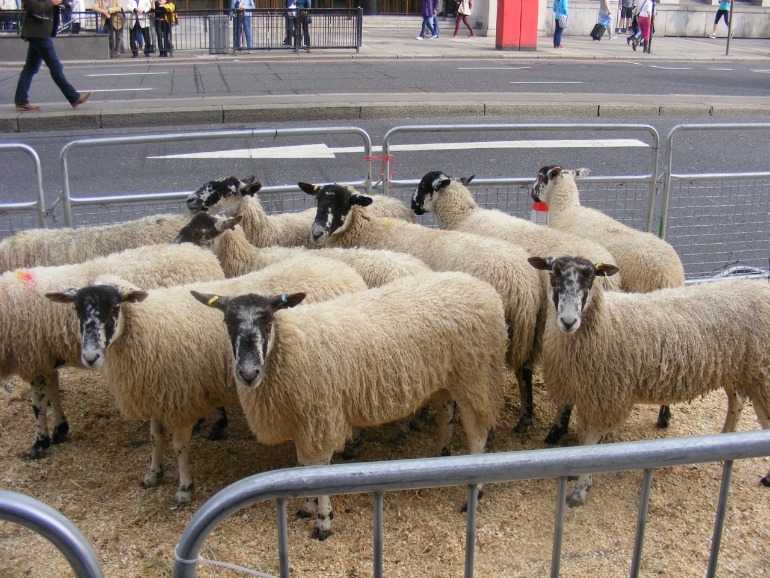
739,204
55,528
38,205
513,206
69,201
380,477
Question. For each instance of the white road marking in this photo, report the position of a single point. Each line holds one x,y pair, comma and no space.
547,82
494,68
321,151
761,71
721,69
671,67
117,89
126,74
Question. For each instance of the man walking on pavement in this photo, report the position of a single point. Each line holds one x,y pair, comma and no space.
41,20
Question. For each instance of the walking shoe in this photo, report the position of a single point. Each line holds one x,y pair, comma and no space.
81,99
612,37
634,44
27,107
712,35
418,38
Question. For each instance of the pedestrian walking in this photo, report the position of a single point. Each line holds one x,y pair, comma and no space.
427,20
644,12
464,10
41,20
560,13
722,12
605,18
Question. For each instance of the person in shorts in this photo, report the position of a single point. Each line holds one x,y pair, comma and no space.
626,15
722,12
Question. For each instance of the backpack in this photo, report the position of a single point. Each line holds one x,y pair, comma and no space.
438,6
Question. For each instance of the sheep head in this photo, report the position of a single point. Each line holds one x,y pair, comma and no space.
249,321
572,279
213,192
204,228
429,186
335,204
548,176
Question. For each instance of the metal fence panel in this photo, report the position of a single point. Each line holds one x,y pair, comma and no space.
19,216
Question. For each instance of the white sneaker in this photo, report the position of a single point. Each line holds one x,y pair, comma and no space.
712,35
418,38
613,36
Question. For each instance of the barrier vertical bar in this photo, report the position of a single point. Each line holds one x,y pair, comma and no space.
283,538
558,527
378,536
470,529
719,523
641,522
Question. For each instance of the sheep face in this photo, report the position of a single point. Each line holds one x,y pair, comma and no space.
249,321
546,178
98,311
427,190
572,279
215,191
335,204
203,228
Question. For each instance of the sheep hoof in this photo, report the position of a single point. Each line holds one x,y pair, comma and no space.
664,417
554,435
38,449
321,534
152,478
765,481
576,498
184,494
525,422
60,433
217,432
479,495
309,508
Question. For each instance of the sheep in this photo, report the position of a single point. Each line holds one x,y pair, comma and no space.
238,257
343,220
646,261
377,356
284,229
603,353
456,210
62,246
42,337
165,360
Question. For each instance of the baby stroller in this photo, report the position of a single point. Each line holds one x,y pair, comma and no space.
635,38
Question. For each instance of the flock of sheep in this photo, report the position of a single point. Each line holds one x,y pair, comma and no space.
236,308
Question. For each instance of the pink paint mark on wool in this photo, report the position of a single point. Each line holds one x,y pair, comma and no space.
26,277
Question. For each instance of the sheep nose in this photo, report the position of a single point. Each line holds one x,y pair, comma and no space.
248,377
317,234
569,324
91,358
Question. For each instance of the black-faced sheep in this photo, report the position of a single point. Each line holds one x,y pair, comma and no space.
457,210
605,352
166,360
238,257
233,196
62,246
343,220
375,357
42,337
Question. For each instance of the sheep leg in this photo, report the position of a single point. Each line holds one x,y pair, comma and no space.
320,506
220,424
763,416
155,472
664,417
735,403
477,435
560,425
524,379
60,426
40,396
181,440
577,496
444,407
353,445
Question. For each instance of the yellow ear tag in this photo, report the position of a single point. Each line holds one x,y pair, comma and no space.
125,293
210,301
598,265
315,188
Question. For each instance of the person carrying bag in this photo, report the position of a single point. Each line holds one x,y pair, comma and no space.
464,10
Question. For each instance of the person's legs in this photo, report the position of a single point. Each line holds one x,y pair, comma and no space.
306,32
247,28
47,53
133,39
31,68
147,43
457,23
436,30
557,32
644,27
470,28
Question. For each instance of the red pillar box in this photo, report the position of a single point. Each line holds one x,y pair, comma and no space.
516,25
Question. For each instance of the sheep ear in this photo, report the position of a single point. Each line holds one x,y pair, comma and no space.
554,172
66,296
132,295
441,182
581,172
466,180
212,300
251,189
541,263
361,200
285,301
310,189
605,269
227,223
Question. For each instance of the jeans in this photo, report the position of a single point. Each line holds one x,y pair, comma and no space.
557,32
427,23
241,24
42,50
435,26
139,37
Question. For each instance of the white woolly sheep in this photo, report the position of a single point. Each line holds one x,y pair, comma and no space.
646,262
343,220
63,246
40,336
166,360
284,229
457,210
380,354
238,257
605,352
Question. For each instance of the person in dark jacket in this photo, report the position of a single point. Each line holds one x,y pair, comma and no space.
38,29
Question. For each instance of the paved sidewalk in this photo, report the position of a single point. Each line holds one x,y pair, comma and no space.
398,42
